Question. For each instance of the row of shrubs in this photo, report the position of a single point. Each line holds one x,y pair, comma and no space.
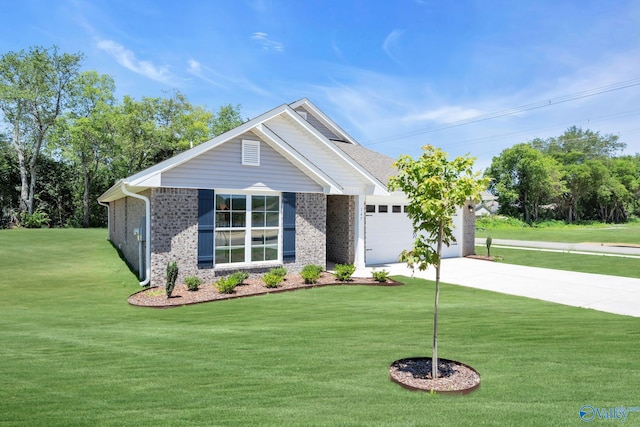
227,284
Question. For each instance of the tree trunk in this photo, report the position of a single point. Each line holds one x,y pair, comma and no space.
24,180
434,359
32,183
85,196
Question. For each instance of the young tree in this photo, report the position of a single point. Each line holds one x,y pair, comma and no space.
435,187
34,90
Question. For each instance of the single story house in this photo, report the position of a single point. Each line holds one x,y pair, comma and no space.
289,187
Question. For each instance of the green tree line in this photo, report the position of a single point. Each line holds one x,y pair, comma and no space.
577,176
65,138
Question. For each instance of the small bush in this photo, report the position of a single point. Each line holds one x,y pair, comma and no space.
37,219
193,282
310,273
344,272
380,276
274,277
279,271
172,275
227,285
240,276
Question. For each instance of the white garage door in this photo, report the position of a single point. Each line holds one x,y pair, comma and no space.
388,231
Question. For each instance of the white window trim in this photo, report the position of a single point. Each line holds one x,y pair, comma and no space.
250,152
247,229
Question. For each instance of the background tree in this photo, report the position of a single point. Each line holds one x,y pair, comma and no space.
226,118
85,134
9,181
435,187
34,90
577,146
154,129
524,179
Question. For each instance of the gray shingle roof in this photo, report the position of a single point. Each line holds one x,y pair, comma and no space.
377,164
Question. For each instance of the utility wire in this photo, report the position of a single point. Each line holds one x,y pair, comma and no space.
511,111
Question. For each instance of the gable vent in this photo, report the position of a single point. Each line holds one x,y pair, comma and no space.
251,153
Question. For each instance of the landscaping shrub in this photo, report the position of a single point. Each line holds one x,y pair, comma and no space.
172,275
280,271
310,273
380,276
274,277
240,276
193,282
344,272
227,285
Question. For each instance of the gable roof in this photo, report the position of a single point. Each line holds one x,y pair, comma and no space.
321,159
378,164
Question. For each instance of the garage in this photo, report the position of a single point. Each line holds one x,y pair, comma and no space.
388,231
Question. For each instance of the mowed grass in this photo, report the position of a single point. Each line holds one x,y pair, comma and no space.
598,233
596,264
74,353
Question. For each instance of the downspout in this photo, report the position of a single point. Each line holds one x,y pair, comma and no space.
108,218
147,209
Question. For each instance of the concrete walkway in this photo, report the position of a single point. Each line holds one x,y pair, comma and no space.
611,294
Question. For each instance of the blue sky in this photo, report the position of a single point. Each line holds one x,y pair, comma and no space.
467,76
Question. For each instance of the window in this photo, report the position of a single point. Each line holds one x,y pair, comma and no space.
396,209
383,208
250,153
231,223
247,228
371,208
265,227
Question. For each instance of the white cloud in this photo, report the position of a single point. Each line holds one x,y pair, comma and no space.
390,43
127,59
266,43
220,80
194,67
445,114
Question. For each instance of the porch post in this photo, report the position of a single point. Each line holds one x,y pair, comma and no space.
359,261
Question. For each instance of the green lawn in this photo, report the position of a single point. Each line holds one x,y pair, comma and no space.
598,264
606,233
74,353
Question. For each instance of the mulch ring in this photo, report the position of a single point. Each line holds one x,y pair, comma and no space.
156,297
414,373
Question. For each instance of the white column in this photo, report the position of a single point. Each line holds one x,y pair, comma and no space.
359,248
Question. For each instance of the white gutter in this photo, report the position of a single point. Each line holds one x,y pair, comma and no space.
147,209
108,218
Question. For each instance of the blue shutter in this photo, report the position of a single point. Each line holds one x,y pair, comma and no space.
289,227
206,225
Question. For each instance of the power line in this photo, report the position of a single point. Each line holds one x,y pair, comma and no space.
557,126
511,111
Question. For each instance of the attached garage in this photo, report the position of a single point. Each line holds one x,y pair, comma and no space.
388,231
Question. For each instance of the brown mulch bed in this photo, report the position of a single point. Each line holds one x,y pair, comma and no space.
156,297
453,377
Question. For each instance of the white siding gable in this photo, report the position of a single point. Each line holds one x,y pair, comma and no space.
318,153
318,124
222,167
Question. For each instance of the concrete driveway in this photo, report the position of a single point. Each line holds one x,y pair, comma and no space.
611,294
